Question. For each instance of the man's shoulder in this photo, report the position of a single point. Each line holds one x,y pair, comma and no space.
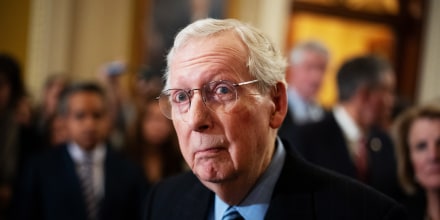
48,157
349,196
178,185
333,194
327,122
179,197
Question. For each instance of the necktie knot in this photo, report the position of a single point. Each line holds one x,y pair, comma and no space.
232,214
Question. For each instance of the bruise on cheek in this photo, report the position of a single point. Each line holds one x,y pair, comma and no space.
240,114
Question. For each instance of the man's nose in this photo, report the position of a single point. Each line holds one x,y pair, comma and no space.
89,122
198,113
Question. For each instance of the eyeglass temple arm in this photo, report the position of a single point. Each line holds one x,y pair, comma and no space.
248,82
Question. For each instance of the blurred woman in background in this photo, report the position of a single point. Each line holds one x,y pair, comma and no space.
48,124
16,135
417,136
153,143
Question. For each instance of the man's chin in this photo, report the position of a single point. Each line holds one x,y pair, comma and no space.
211,178
215,177
89,145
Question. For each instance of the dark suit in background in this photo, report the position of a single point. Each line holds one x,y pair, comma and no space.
289,129
50,189
303,191
323,143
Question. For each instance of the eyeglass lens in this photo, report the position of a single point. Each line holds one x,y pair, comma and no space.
218,96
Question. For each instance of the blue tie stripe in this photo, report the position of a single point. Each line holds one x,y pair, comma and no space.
232,214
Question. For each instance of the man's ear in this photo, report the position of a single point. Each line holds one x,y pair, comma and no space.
279,98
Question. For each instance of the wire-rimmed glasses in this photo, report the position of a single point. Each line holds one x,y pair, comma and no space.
218,96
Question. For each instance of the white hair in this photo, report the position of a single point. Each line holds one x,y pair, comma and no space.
297,53
265,61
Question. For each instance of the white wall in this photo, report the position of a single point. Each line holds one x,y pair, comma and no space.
429,85
76,37
270,16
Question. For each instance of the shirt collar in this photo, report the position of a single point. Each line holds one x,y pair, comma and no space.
256,203
78,154
302,110
350,129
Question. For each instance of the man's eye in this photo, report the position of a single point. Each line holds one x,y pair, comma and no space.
222,90
180,97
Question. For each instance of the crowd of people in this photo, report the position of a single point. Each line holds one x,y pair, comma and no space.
42,146
234,131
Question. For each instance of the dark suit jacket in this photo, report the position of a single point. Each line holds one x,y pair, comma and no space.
416,205
50,189
303,191
289,129
323,143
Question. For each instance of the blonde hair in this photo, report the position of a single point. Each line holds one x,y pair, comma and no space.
400,132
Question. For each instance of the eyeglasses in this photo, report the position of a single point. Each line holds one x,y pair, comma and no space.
218,96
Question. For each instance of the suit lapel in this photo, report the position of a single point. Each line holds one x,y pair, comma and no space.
111,181
196,203
291,199
341,154
71,182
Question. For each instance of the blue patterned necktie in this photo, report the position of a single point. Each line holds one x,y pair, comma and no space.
86,179
232,214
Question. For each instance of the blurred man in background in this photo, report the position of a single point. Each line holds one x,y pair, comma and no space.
307,64
346,140
83,178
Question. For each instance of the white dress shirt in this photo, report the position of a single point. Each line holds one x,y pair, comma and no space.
303,111
98,157
256,203
350,129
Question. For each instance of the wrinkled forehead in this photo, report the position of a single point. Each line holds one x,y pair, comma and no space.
222,53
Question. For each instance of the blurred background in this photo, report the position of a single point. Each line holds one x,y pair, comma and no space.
76,37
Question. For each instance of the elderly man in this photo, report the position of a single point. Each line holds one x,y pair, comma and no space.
226,94
308,62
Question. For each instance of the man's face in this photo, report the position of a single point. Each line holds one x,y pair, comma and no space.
221,147
307,75
380,100
388,96
87,119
